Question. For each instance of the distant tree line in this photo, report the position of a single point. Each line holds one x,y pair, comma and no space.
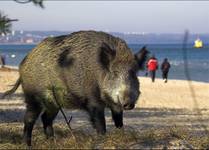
6,22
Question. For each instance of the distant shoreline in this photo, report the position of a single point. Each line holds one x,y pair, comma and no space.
16,68
18,43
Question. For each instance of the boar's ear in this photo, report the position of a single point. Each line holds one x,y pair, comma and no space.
141,57
106,56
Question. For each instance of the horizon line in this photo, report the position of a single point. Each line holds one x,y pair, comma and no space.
124,32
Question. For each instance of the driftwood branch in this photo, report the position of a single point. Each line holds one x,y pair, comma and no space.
60,108
23,1
36,2
11,20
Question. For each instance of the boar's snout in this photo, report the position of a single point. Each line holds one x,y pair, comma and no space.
130,100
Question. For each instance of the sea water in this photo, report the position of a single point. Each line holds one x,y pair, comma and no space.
197,59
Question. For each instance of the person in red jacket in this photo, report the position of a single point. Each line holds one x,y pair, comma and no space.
152,66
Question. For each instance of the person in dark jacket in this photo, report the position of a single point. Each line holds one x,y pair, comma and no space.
152,66
165,69
2,61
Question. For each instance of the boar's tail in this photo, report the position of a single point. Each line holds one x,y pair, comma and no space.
11,91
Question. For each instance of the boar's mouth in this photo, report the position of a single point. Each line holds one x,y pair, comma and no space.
127,106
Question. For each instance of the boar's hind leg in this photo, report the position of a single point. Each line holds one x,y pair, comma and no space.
32,112
117,117
98,119
47,119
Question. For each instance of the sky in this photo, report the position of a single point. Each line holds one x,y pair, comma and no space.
112,16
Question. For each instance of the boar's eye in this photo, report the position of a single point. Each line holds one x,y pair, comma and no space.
116,73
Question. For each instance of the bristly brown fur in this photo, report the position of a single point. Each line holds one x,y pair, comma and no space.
84,68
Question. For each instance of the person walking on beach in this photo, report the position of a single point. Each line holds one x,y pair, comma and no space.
2,61
152,66
165,69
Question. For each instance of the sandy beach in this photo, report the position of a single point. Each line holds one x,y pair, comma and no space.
175,94
160,105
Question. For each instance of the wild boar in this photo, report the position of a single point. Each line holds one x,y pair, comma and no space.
90,70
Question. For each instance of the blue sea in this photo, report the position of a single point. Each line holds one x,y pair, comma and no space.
198,59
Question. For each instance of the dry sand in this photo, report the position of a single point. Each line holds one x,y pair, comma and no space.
160,105
175,94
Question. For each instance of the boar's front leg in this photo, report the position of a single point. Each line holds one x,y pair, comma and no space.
117,116
97,117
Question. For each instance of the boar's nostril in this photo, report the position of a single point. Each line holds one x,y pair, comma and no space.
128,106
